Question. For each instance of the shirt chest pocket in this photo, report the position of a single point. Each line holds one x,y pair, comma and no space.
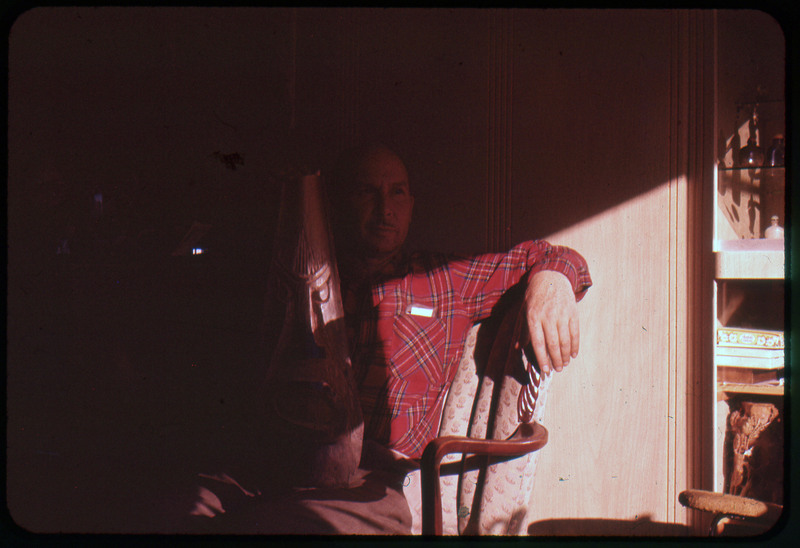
418,346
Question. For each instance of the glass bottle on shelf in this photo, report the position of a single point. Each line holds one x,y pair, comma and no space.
776,152
774,232
752,155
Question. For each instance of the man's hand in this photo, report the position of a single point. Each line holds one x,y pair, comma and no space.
552,319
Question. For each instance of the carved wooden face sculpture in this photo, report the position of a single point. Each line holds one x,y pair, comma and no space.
310,380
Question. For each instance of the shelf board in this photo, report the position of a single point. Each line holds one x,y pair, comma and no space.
750,168
749,259
756,389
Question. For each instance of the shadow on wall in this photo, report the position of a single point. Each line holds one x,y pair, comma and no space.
641,526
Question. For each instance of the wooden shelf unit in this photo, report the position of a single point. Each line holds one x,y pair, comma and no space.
748,288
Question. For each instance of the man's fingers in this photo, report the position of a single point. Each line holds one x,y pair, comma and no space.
565,341
553,344
539,347
575,335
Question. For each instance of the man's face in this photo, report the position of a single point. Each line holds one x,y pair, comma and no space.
382,203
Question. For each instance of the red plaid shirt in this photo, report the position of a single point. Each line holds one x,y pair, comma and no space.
406,339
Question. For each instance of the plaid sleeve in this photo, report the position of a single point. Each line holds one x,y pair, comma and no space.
566,261
484,278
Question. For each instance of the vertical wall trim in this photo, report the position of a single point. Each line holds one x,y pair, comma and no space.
698,382
691,174
292,78
677,146
500,87
700,373
348,80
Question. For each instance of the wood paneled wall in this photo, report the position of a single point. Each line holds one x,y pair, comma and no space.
629,419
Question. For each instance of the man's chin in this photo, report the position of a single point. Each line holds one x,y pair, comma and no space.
382,251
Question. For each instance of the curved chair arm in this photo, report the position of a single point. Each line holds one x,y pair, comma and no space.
525,439
731,506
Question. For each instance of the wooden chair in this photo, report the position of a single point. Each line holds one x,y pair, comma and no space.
477,476
747,516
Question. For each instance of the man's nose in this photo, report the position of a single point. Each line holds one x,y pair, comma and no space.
385,209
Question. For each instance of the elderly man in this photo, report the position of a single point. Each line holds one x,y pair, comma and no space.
407,315
402,410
